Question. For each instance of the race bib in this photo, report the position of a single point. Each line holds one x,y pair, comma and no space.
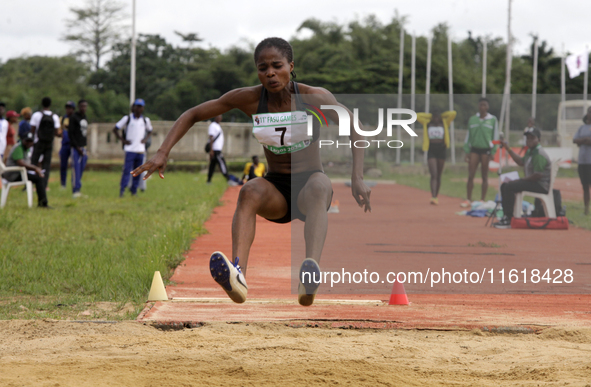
282,133
436,132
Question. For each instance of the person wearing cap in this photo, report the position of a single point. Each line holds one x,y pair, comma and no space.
537,165
78,129
583,140
19,157
66,149
3,130
44,126
24,126
12,119
138,130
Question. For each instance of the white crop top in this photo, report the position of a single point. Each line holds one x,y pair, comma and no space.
436,132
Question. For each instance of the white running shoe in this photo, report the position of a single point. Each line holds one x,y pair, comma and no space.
229,276
309,277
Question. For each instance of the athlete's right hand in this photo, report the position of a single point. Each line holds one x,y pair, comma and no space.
158,162
361,193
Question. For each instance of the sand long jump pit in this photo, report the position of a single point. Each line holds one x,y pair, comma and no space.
198,338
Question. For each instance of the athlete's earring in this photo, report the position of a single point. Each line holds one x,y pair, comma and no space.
293,75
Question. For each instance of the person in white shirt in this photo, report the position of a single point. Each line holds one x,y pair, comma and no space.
138,130
44,126
216,143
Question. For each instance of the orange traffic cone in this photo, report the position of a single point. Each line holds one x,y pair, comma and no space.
398,296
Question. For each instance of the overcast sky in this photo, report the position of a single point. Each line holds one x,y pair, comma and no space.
34,27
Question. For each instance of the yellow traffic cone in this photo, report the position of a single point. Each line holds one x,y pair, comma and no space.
157,291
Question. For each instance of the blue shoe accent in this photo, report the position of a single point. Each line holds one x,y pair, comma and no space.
229,276
220,271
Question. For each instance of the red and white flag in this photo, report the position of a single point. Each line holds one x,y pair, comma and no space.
577,64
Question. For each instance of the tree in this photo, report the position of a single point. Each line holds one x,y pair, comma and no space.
94,29
189,38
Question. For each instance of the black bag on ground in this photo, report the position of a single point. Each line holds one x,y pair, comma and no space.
538,211
46,129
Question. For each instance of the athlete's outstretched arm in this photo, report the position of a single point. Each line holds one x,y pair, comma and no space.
233,99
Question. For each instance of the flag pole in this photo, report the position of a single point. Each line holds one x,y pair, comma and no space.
400,74
562,77
412,93
562,88
133,44
484,49
508,80
535,79
451,96
586,78
428,84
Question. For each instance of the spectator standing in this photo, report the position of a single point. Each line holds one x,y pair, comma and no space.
435,143
44,126
216,143
483,129
19,157
25,127
137,130
66,149
537,166
583,139
12,119
78,128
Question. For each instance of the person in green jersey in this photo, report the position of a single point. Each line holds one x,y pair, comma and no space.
483,129
295,185
538,172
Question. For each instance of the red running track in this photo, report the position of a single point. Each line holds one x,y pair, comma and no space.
404,232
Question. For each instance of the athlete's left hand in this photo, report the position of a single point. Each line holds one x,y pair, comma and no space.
361,193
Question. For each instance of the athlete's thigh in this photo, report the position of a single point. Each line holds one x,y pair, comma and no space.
473,164
317,188
484,165
270,203
440,165
432,164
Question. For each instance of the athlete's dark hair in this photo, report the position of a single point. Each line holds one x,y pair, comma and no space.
281,45
46,102
82,101
483,99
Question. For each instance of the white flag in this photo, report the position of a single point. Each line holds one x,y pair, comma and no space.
577,64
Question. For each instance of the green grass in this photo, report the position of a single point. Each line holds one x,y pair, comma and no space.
59,263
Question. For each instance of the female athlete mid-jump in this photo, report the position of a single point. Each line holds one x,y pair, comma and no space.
295,187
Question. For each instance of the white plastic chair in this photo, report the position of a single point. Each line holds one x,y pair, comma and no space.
7,185
547,199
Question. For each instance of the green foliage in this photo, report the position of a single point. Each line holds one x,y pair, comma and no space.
360,57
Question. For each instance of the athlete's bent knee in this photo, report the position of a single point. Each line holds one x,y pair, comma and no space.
316,189
251,194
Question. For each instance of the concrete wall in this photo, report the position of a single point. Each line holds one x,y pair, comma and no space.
240,143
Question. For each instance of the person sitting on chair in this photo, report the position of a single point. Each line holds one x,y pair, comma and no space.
19,157
537,165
